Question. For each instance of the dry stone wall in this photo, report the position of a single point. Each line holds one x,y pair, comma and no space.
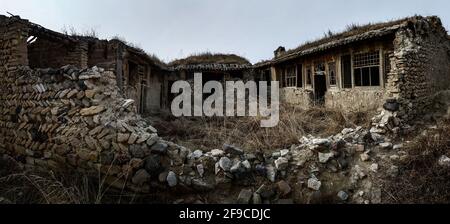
420,68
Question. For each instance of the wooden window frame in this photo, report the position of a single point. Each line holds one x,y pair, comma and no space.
332,69
308,75
367,60
290,76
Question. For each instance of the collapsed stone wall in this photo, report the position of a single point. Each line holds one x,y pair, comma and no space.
70,117
420,68
54,117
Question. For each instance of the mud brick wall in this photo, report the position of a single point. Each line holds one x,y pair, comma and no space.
103,54
13,37
420,67
296,96
49,53
355,100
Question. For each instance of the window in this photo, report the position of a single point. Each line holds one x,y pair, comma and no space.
308,75
387,64
320,68
268,77
300,76
367,59
290,77
332,73
366,68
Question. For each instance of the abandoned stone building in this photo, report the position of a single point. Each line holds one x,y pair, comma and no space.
65,100
214,67
403,62
139,76
217,67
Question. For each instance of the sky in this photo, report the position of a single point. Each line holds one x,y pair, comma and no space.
173,29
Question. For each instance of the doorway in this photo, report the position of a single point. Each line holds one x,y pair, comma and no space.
320,89
347,71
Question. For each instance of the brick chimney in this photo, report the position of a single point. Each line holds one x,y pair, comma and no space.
279,51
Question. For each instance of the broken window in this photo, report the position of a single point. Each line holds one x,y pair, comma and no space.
332,73
290,77
308,75
366,69
320,68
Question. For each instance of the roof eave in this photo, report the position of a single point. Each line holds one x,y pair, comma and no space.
373,34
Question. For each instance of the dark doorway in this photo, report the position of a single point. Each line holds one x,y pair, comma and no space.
347,71
320,88
211,76
170,96
268,77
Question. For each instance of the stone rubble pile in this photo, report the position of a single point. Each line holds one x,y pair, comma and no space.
336,154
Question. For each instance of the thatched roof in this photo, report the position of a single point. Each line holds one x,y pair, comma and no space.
354,33
209,61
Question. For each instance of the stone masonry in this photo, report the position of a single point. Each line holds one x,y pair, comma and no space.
420,67
76,117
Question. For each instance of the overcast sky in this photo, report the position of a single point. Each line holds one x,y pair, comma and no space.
251,28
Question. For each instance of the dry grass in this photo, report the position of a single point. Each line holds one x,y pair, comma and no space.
422,179
245,132
67,186
72,31
35,187
211,58
136,47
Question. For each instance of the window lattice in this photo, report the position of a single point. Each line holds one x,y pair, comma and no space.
141,70
291,77
387,63
366,59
